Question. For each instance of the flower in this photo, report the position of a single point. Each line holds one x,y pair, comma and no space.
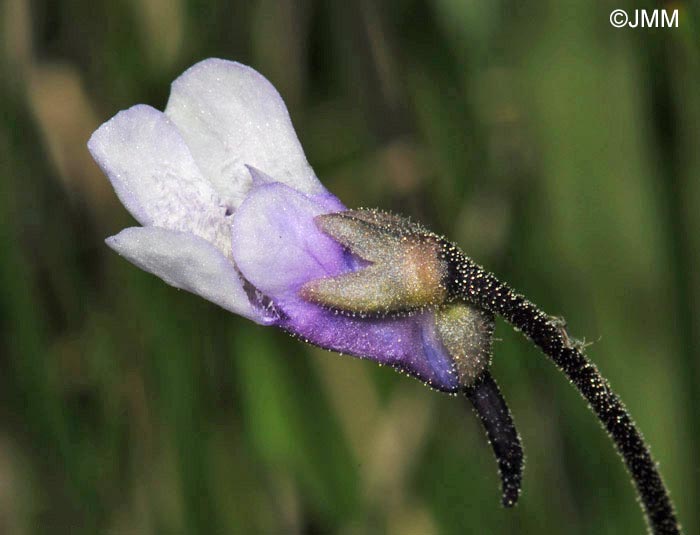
231,210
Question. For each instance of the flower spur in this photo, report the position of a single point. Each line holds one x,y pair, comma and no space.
231,210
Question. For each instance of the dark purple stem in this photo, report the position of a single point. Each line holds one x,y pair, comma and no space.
491,408
472,283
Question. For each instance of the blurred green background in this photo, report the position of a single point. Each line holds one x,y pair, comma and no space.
558,151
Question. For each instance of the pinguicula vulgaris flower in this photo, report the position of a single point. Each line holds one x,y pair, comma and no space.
227,201
231,210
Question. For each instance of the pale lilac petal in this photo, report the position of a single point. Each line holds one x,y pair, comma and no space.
278,248
155,177
276,241
189,263
231,116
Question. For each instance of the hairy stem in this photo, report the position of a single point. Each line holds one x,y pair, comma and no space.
491,408
472,283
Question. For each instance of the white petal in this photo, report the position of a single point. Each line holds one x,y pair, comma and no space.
231,116
155,177
190,263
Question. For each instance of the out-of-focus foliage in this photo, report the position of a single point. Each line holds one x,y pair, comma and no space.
558,151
